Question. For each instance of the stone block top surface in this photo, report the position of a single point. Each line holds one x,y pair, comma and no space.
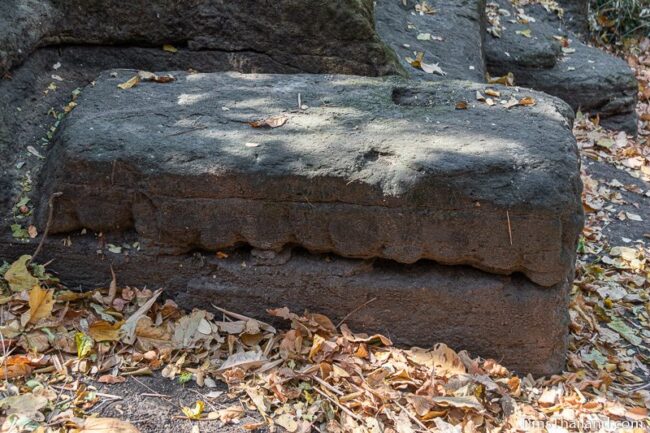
367,168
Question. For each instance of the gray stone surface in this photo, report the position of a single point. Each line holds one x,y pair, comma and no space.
460,25
312,36
585,77
522,325
373,168
576,16
22,25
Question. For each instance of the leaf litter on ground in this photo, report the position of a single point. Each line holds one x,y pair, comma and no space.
311,374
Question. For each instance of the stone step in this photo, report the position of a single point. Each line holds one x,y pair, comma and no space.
372,168
508,318
306,35
362,37
585,77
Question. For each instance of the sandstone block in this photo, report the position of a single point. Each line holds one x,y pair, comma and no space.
373,168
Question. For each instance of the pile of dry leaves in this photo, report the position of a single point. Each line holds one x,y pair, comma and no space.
312,376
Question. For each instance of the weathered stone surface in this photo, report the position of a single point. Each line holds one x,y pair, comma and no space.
22,25
312,36
460,24
585,77
373,168
505,317
576,16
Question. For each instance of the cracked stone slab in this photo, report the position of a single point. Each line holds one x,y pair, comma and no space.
373,167
587,78
311,36
508,318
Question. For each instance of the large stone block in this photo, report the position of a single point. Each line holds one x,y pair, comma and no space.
587,78
307,35
509,318
381,168
449,33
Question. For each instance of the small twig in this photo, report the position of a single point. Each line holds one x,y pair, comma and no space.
328,386
509,227
166,399
410,415
647,385
48,224
339,405
347,316
5,358
153,394
98,394
58,397
265,326
204,398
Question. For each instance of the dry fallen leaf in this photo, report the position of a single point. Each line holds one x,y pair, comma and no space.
424,8
432,68
111,379
228,415
287,422
40,303
429,68
527,101
506,80
18,276
101,330
27,405
512,102
15,366
244,360
131,82
107,425
32,231
150,76
270,122
127,331
195,412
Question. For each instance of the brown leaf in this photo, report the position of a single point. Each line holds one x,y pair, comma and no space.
19,277
111,379
40,303
512,102
461,105
107,425
244,360
506,80
228,415
32,231
150,76
15,366
101,330
527,101
131,82
468,402
270,122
